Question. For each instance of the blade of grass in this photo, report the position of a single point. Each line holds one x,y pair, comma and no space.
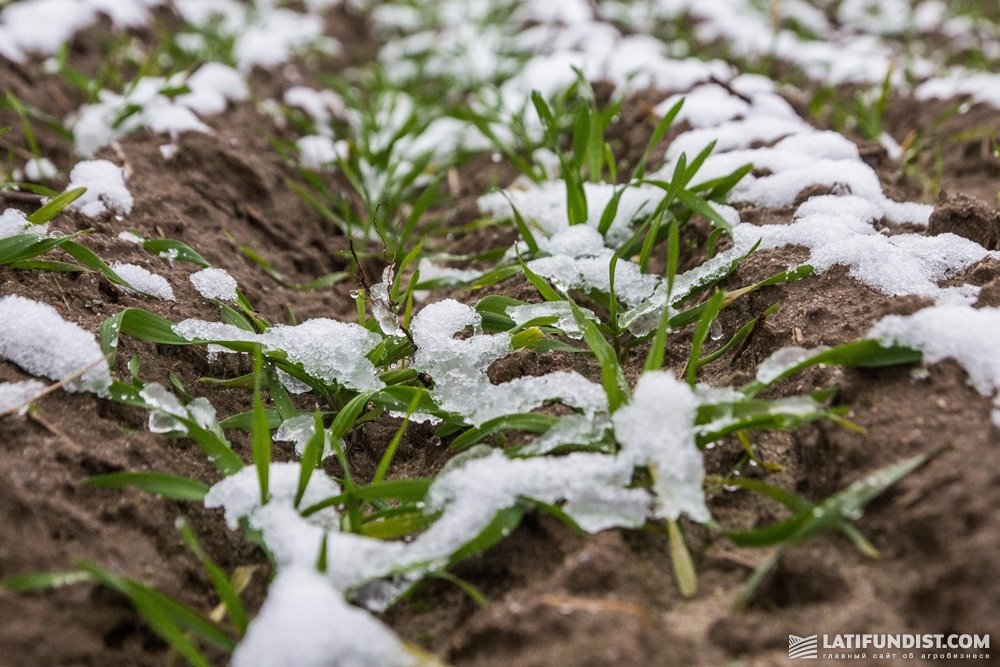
223,587
260,433
160,484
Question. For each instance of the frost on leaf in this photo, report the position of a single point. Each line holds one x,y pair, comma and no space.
655,429
36,338
783,360
566,321
328,350
473,488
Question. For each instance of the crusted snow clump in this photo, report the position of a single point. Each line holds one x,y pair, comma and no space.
656,429
144,280
459,366
328,350
13,394
306,620
214,284
106,191
14,222
36,338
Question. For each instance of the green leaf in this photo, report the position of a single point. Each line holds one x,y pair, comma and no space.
531,422
466,587
227,594
522,226
502,524
395,527
703,208
312,455
612,377
243,421
544,288
55,206
160,484
167,617
495,276
390,451
610,210
710,312
843,505
139,324
175,250
680,559
46,265
655,138
260,433
657,349
531,335
865,353
89,259
412,489
43,581
26,246
780,414
218,451
696,164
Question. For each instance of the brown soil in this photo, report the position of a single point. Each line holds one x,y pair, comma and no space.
553,597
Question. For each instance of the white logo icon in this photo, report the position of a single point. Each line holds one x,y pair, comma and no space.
802,647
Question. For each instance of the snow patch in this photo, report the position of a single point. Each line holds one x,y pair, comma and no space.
328,350
36,338
14,222
106,191
13,394
214,283
144,280
960,332
307,620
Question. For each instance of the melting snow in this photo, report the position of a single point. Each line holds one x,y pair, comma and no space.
566,321
656,429
960,332
214,284
40,169
317,151
36,338
580,260
299,430
14,222
106,191
211,87
13,394
459,366
328,350
144,280
306,620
